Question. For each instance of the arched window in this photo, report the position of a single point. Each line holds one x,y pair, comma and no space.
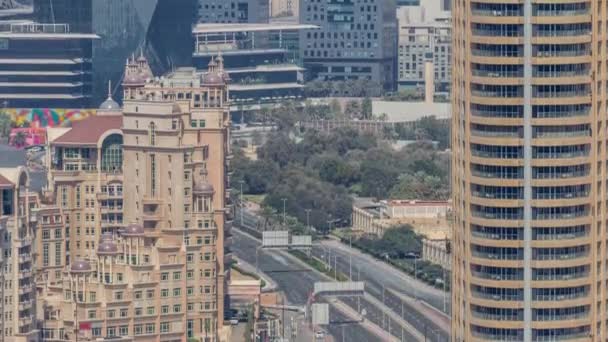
152,133
111,154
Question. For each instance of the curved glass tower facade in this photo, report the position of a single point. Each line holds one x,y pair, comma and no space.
529,170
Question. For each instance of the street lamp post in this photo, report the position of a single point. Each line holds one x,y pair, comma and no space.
415,276
308,219
284,201
350,257
242,204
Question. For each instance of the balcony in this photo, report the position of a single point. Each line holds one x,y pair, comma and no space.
545,315
565,32
25,305
568,253
23,274
498,297
23,258
560,274
109,195
503,314
559,233
25,289
111,210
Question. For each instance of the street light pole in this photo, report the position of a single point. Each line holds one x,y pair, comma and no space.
242,204
383,313
415,276
350,258
308,219
284,201
335,267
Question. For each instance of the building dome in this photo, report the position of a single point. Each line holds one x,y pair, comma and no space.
109,105
106,237
134,229
212,78
203,188
80,266
134,79
107,248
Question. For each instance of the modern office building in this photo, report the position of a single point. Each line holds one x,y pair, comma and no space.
258,58
529,171
78,14
15,10
234,11
17,223
44,65
356,40
145,194
425,47
284,8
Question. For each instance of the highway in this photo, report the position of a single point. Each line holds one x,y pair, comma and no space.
400,290
377,275
297,282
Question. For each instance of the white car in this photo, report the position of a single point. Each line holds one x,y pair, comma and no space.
320,334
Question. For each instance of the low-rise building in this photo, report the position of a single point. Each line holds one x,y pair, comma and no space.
437,252
428,218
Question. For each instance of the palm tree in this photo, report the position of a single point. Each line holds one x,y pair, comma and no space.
5,124
20,139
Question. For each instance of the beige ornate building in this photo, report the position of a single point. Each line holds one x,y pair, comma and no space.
17,286
529,171
156,265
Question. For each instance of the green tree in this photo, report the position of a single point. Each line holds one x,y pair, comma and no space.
353,109
256,138
420,186
379,173
5,124
20,139
366,108
335,108
278,148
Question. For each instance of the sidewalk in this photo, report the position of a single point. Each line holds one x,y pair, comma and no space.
270,285
442,320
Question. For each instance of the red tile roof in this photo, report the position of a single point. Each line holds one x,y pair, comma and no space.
89,130
5,183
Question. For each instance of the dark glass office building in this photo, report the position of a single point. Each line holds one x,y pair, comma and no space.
44,66
76,13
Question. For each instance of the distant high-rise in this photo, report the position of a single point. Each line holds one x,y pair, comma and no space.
529,171
425,36
356,40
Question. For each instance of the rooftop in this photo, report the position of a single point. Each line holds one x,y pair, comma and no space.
31,30
402,111
5,183
225,28
88,131
415,203
242,87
